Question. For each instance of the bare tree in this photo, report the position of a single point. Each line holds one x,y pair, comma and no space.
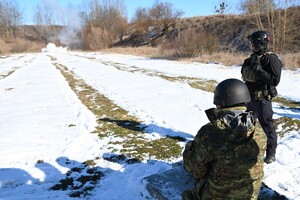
164,11
141,14
270,16
257,7
38,16
221,8
39,20
44,15
160,14
10,17
107,18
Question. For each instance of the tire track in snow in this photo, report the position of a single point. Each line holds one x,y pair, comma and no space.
6,71
197,83
123,133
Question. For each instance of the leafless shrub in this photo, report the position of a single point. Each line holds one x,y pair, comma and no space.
164,11
4,47
190,43
273,17
94,38
105,22
10,17
142,19
20,46
141,15
161,13
291,60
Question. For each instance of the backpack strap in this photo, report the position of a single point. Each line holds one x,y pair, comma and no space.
268,53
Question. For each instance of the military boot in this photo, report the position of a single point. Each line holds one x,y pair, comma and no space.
269,159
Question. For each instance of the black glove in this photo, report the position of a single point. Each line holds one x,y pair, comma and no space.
254,63
254,59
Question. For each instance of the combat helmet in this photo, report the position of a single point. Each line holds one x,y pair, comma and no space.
231,92
259,41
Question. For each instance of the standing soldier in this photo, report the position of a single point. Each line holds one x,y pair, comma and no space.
226,155
261,73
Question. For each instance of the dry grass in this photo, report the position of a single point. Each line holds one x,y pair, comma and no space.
227,59
122,129
290,60
19,45
139,51
4,47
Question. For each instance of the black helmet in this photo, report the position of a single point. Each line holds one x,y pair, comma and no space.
231,92
259,40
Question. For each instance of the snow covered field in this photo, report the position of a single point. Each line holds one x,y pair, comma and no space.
45,130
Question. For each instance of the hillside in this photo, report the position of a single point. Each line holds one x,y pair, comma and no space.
228,32
29,38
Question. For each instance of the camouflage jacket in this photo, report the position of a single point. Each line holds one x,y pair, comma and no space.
226,156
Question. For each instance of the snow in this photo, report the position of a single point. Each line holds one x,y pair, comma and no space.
43,124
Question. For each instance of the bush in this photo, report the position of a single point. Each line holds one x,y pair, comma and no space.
95,38
190,43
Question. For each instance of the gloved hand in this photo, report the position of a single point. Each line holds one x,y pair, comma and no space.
254,63
256,68
254,59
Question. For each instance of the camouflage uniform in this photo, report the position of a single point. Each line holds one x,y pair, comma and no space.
226,156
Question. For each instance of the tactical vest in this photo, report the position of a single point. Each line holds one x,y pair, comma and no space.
267,91
247,71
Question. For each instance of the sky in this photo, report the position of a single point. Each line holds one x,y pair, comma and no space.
46,131
190,8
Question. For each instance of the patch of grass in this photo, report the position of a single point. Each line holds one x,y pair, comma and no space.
79,184
117,124
6,74
89,163
285,125
197,83
121,159
52,58
205,85
63,184
286,103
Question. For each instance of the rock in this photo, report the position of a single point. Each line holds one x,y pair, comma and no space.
168,185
